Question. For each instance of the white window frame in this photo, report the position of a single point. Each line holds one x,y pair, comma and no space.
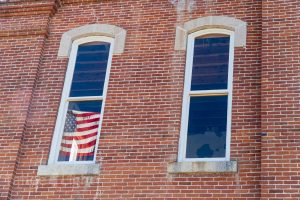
219,92
65,99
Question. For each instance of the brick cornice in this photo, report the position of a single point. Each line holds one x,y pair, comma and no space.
24,32
29,8
65,2
13,10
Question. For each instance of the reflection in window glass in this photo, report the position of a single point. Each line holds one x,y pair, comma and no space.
207,127
210,63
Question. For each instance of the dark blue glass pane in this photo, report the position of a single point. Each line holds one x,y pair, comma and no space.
210,63
86,106
80,131
207,127
90,69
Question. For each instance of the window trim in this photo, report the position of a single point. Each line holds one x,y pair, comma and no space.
109,30
224,22
188,93
61,116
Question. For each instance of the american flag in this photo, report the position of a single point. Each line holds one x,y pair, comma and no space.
80,135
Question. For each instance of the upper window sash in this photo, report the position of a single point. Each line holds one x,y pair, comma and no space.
190,56
72,62
188,93
65,99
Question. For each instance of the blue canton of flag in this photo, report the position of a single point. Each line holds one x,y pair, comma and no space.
70,125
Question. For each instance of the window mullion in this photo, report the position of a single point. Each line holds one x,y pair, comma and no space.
208,93
86,98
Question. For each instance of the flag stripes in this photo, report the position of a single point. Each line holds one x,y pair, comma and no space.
81,127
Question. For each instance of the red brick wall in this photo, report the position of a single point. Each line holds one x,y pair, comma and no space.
281,100
19,62
22,36
141,124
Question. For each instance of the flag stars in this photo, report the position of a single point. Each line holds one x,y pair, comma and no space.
70,124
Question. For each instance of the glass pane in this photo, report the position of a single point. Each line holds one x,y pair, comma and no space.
207,127
80,131
210,63
90,69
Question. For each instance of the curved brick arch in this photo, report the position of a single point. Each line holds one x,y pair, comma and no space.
238,26
92,30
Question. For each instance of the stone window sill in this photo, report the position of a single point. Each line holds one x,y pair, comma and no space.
68,169
203,167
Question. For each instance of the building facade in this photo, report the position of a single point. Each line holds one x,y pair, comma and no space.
150,99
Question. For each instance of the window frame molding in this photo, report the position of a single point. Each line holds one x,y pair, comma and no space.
65,99
238,26
116,32
187,94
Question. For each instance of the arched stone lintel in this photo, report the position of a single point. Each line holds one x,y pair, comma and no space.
238,26
92,30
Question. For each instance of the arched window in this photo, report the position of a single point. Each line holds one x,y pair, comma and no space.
206,111
82,104
78,125
204,144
